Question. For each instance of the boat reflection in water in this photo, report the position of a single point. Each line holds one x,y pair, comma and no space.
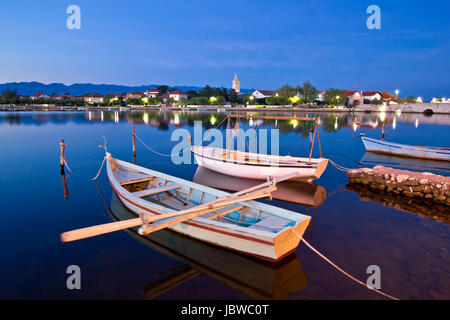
299,192
254,278
425,208
373,159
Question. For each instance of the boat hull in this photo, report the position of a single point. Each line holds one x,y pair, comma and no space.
402,150
260,244
259,171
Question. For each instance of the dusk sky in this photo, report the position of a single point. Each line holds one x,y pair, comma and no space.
267,43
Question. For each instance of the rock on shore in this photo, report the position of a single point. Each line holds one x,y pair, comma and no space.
403,182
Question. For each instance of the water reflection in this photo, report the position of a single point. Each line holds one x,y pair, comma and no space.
252,277
299,192
329,122
425,208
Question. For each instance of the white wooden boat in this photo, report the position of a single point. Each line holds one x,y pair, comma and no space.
403,150
257,166
249,227
260,166
299,192
252,277
390,160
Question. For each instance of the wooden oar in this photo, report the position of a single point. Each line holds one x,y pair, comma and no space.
252,193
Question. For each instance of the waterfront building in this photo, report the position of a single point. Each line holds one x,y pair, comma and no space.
259,94
93,98
152,93
177,95
39,96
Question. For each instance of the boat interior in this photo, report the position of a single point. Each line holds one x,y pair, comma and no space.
177,197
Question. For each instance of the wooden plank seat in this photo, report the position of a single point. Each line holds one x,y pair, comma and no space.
153,191
128,182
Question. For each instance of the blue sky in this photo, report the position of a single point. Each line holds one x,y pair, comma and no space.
196,42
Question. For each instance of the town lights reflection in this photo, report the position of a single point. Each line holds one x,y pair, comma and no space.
394,123
145,117
417,122
212,120
382,116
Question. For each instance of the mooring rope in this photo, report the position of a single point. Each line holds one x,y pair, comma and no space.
339,167
182,150
100,170
341,270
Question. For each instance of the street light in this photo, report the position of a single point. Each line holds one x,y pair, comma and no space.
213,99
337,98
397,92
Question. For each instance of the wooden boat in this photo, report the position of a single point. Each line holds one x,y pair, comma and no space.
252,277
299,192
389,160
403,150
260,166
231,221
257,166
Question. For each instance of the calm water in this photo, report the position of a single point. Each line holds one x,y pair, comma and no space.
411,249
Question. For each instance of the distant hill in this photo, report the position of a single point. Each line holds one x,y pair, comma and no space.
77,89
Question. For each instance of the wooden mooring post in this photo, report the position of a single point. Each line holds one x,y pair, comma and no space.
62,157
133,136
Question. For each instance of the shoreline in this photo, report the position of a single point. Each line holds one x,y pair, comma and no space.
420,108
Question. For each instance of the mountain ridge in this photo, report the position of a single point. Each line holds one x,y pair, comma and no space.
77,89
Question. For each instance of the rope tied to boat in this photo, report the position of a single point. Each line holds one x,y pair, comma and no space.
182,150
340,269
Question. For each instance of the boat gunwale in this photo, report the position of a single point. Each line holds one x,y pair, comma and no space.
407,147
301,162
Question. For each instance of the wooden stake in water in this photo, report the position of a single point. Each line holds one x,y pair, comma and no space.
133,135
62,158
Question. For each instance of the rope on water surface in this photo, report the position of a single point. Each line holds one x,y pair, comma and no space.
341,270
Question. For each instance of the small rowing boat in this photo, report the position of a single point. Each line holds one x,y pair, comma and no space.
260,166
257,166
403,150
232,221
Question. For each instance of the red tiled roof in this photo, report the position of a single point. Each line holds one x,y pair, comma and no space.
165,96
349,93
266,92
38,94
388,96
153,90
176,91
371,93
321,91
93,95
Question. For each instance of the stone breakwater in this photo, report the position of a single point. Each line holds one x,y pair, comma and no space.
412,184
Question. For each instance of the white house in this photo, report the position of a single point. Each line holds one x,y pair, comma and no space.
258,94
354,97
39,96
372,95
177,95
152,93
93,98
320,95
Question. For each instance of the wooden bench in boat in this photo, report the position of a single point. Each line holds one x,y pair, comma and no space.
271,222
152,191
128,182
